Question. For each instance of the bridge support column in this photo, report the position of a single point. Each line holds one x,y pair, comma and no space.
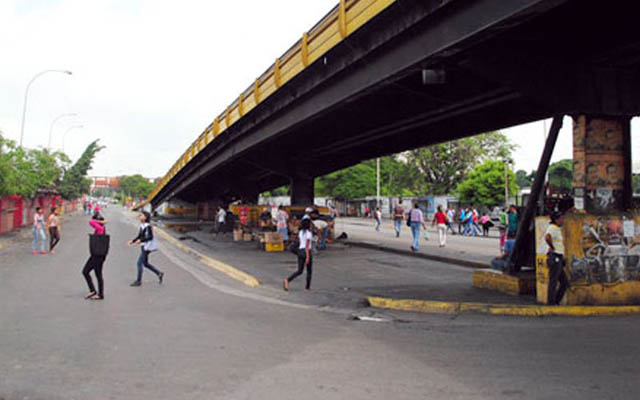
602,164
601,265
302,191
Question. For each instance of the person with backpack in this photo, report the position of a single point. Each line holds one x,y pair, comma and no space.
149,244
305,236
95,261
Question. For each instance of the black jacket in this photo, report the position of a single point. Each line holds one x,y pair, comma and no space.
145,234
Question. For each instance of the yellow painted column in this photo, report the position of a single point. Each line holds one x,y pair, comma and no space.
602,233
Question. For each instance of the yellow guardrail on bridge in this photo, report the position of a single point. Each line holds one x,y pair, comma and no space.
343,20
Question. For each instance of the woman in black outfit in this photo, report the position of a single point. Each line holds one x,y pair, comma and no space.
95,263
145,238
304,254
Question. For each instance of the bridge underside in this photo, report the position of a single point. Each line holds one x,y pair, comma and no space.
499,63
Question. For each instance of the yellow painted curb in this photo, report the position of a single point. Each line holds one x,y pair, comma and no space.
443,307
226,269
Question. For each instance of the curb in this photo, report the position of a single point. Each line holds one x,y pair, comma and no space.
219,266
445,259
456,308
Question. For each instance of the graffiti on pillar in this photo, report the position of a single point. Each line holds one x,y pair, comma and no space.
603,250
598,166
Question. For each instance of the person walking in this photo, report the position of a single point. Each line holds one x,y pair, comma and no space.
304,255
440,219
398,217
512,220
486,223
95,262
39,234
148,245
558,282
462,216
221,217
378,217
282,223
53,224
416,220
451,215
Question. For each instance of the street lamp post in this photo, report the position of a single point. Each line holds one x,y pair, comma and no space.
26,95
54,122
506,181
67,131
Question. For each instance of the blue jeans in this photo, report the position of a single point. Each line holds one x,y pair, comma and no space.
43,238
285,233
398,225
499,264
415,231
143,261
323,239
378,224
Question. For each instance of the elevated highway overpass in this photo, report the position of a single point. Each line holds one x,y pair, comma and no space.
377,77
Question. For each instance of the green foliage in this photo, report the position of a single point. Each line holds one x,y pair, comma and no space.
635,183
523,179
485,184
75,182
360,180
438,169
280,191
135,185
25,171
561,176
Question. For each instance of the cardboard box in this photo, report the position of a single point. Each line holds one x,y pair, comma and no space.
273,237
272,247
247,237
237,235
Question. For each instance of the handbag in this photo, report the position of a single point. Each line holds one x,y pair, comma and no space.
151,245
99,245
293,247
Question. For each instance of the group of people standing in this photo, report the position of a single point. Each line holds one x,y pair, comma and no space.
41,227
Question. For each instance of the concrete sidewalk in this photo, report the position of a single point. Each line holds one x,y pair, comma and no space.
474,252
345,276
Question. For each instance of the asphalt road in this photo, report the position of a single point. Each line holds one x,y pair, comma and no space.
190,340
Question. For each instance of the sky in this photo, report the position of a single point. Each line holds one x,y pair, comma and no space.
150,75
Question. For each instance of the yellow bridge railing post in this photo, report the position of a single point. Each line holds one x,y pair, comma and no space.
241,104
216,127
227,117
256,91
276,73
304,49
342,18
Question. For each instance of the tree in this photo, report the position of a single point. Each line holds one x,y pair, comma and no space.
360,180
75,182
485,184
523,179
135,185
25,171
438,169
561,176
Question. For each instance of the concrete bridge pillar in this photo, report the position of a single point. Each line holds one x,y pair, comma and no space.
602,264
602,164
302,191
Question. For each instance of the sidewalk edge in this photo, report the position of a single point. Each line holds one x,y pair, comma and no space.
445,259
219,266
443,307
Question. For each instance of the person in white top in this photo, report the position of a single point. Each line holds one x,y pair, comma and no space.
558,282
222,215
38,232
416,220
378,216
304,254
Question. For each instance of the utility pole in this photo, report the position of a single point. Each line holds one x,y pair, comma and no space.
378,182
